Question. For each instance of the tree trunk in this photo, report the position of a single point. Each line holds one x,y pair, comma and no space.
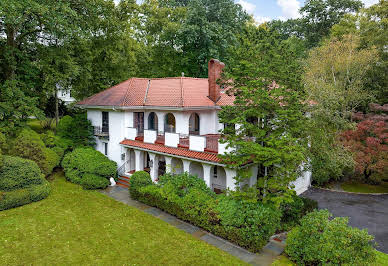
56,108
10,53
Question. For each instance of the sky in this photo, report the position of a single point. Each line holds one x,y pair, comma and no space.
265,10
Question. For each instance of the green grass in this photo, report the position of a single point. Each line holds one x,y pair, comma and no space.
365,188
78,227
381,260
36,125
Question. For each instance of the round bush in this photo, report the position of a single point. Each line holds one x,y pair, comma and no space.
323,241
90,164
91,181
19,173
138,180
21,182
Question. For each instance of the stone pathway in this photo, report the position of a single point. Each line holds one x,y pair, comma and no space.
269,253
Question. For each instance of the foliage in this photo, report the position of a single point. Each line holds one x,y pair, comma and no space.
269,112
247,224
89,168
89,219
2,142
29,145
369,145
354,186
371,25
77,129
139,179
21,182
320,240
334,76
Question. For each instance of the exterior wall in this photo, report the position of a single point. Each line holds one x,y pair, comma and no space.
65,96
302,183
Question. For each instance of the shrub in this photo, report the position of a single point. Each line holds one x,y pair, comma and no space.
19,173
89,163
21,182
247,224
78,129
91,181
139,179
321,241
29,145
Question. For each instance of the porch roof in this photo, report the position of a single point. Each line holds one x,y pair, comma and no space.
182,152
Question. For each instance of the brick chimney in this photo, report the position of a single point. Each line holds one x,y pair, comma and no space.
214,72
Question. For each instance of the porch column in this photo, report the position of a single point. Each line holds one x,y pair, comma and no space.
139,163
207,173
154,165
230,181
160,116
186,166
168,160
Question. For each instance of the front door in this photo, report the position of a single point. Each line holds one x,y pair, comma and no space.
139,122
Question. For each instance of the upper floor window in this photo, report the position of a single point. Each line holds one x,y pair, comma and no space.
152,121
169,123
194,124
105,122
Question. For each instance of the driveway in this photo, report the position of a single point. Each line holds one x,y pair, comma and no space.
364,211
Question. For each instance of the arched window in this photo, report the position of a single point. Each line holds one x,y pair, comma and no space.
152,121
169,123
194,124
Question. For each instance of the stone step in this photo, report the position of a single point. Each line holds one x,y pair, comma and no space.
122,184
273,248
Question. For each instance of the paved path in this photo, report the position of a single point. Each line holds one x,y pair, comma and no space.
266,257
364,211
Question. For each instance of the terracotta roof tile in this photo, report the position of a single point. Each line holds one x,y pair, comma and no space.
171,92
204,156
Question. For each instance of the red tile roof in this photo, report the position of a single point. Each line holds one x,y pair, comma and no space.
204,156
168,92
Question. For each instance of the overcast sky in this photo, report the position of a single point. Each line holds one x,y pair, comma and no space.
265,10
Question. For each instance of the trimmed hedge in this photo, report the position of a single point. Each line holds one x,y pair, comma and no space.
247,224
320,240
21,182
29,145
88,168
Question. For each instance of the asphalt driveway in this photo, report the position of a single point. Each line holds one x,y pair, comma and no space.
364,211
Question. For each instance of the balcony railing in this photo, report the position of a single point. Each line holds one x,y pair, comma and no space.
101,131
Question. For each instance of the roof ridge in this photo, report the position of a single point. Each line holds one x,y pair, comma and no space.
146,92
182,96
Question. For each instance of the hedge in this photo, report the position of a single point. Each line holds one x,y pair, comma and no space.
89,168
21,182
320,240
249,225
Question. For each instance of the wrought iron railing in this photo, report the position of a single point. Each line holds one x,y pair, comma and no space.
101,131
122,168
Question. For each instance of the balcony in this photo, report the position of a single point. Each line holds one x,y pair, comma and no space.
101,131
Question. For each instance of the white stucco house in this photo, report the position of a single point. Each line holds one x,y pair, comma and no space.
167,125
65,96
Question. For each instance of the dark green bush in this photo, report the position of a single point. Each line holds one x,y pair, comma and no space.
19,173
139,179
91,181
321,241
247,224
21,182
77,129
84,162
29,145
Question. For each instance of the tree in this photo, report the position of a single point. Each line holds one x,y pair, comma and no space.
334,78
77,129
369,144
371,25
318,16
269,116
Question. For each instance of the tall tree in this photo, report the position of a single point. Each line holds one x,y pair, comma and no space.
334,79
269,114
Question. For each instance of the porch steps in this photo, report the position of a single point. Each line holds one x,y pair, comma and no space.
123,181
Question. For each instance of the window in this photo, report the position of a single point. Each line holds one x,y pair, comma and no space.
169,123
194,124
105,148
139,121
215,172
105,122
152,121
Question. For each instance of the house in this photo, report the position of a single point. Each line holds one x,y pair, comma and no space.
65,96
167,125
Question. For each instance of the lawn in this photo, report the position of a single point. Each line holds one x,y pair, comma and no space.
365,188
36,125
75,226
381,260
